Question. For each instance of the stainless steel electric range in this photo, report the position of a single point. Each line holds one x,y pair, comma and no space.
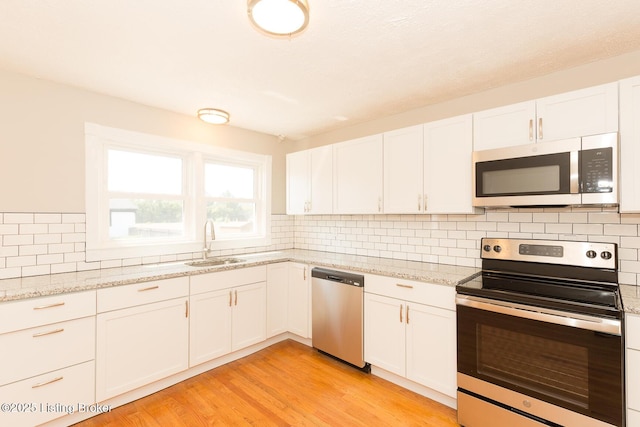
540,336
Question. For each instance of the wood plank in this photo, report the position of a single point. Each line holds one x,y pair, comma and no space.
287,384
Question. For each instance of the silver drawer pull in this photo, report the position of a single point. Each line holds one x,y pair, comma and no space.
150,288
42,307
47,382
42,334
404,286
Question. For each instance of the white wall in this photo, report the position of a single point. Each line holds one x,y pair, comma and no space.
42,141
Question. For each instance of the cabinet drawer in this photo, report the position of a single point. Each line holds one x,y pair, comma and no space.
31,352
32,312
48,396
141,293
227,279
633,331
442,296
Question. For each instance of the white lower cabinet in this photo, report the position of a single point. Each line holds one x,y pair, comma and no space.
408,338
288,299
48,352
225,318
142,343
632,370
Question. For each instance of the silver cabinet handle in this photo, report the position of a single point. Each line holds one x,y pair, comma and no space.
42,334
150,288
304,274
43,307
379,204
540,128
404,286
419,202
530,129
47,382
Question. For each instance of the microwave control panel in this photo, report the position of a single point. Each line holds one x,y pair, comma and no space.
596,170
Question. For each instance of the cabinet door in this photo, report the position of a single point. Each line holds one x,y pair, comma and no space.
249,315
584,112
357,176
630,145
504,126
403,170
298,185
210,326
298,302
448,147
139,345
277,298
321,164
431,347
384,330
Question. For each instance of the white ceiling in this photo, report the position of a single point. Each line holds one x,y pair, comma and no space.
358,59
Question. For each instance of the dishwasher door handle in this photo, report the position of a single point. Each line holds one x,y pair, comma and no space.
335,278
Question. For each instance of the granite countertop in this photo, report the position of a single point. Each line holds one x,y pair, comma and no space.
630,298
36,286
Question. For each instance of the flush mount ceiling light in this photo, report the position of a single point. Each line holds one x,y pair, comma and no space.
213,116
279,17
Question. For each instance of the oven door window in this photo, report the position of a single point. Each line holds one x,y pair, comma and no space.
535,175
574,368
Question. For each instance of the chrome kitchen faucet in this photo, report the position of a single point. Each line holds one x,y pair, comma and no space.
207,248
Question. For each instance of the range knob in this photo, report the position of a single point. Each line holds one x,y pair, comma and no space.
591,254
497,248
487,248
606,255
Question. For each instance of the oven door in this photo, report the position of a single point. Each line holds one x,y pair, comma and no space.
534,174
548,368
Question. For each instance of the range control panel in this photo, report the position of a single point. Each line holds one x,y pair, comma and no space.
582,254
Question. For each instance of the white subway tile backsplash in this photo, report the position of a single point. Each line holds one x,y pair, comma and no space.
47,218
18,218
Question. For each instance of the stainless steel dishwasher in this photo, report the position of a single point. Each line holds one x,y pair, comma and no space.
337,325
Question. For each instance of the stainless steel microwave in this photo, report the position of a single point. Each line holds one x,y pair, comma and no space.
577,171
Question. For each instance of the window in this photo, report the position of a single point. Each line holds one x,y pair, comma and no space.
148,195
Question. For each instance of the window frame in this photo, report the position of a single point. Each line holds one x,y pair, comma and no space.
99,139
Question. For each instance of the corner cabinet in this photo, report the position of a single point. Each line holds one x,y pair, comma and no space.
309,181
357,176
583,112
142,334
630,145
228,312
288,299
410,331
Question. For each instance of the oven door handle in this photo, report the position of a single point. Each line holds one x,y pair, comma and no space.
591,323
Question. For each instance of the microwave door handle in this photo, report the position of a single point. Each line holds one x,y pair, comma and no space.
574,180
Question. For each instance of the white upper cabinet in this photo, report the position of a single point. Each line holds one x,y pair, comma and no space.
298,184
309,181
403,170
589,111
448,148
357,176
630,145
504,126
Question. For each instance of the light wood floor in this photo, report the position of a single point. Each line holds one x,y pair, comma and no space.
287,384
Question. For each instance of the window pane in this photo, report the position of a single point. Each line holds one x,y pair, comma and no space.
144,219
132,172
228,181
232,218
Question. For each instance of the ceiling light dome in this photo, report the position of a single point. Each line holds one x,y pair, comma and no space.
279,17
213,116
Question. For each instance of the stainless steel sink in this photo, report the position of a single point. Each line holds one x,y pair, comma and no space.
212,262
